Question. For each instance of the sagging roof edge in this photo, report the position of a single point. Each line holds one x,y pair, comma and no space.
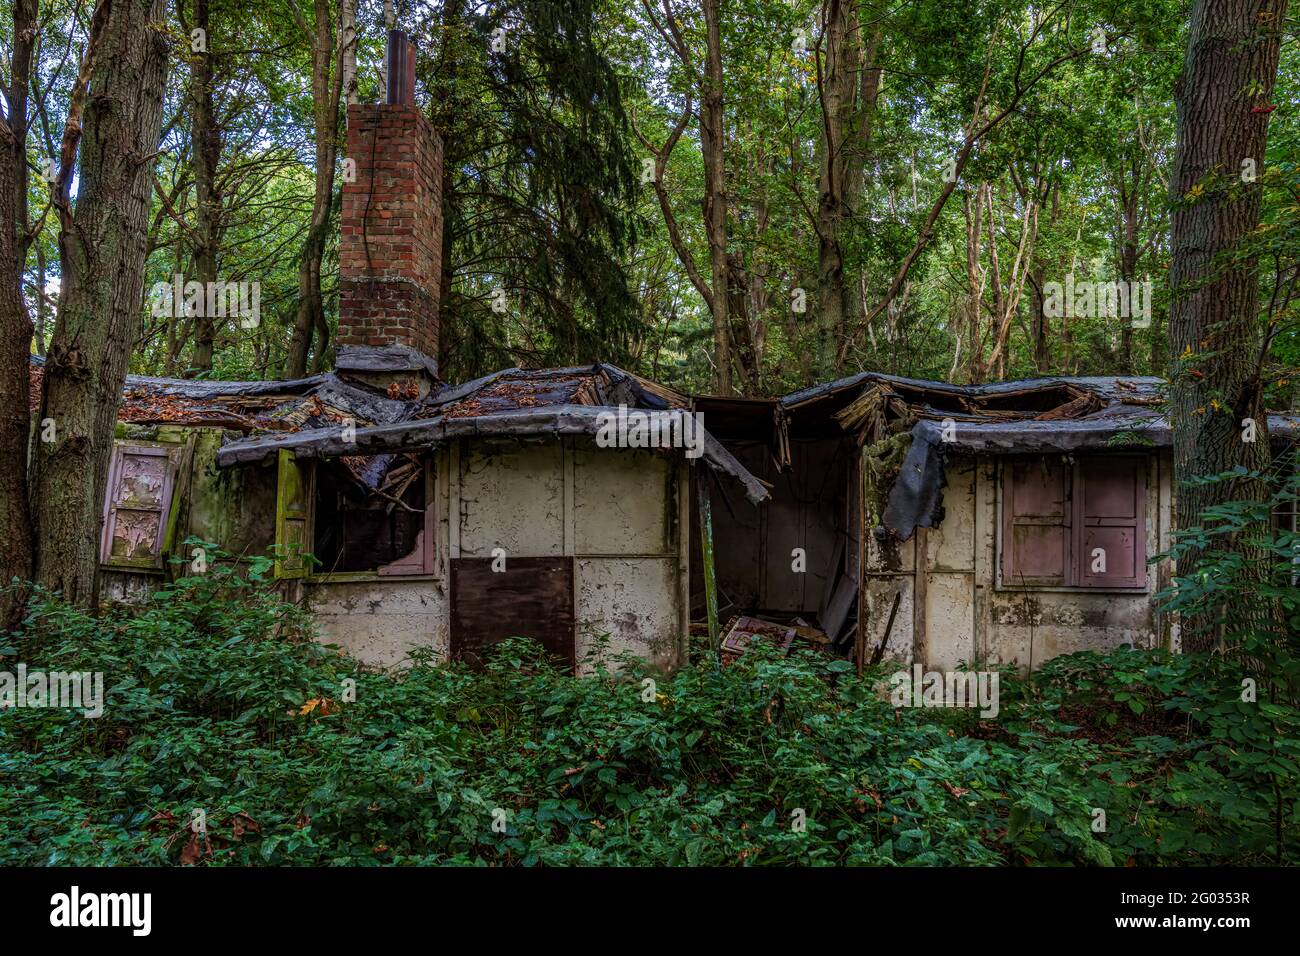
1094,382
429,433
916,497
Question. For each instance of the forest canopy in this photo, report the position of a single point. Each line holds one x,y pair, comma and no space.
906,188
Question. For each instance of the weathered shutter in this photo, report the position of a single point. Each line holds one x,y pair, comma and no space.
137,501
1110,523
292,510
1035,522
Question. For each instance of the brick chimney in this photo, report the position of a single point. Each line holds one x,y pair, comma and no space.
390,247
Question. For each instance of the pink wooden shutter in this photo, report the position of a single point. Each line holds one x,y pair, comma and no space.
1110,523
1035,522
138,499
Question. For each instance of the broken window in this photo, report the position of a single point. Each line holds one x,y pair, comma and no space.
138,505
374,515
1080,524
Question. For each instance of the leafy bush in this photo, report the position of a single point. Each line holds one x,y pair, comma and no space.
220,700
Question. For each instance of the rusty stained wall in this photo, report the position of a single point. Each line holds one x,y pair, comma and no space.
381,621
956,612
617,512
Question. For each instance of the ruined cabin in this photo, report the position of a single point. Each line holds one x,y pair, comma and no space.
941,524
408,514
875,515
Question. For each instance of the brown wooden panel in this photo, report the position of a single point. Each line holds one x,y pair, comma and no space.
1111,520
532,597
806,511
737,547
1035,522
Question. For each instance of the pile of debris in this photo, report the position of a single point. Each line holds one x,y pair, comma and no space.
744,631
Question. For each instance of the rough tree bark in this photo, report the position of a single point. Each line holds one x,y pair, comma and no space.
1129,184
447,105
348,39
1222,101
102,246
848,86
15,323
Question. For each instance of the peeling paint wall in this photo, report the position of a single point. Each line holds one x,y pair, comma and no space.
382,622
618,513
952,609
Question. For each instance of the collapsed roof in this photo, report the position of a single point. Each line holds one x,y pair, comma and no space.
276,406
310,416
1049,415
326,417
1064,413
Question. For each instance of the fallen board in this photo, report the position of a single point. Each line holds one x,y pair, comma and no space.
532,597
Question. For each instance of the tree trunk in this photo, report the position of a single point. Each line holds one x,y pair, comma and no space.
206,138
1228,76
973,209
100,312
348,42
1042,323
15,323
712,141
447,103
1130,191
325,99
848,97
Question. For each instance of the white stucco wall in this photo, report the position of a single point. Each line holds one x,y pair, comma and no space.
619,513
966,617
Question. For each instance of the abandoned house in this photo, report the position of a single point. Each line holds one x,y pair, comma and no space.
876,515
406,513
936,523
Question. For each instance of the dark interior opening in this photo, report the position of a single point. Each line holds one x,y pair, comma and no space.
1032,400
358,530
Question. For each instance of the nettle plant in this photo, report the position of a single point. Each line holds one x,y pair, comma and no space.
1242,699
231,736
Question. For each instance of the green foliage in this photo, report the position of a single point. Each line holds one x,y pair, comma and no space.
218,699
540,187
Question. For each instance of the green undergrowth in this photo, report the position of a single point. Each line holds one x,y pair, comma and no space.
220,701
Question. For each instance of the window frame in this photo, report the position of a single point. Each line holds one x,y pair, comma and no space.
427,569
1074,530
288,565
